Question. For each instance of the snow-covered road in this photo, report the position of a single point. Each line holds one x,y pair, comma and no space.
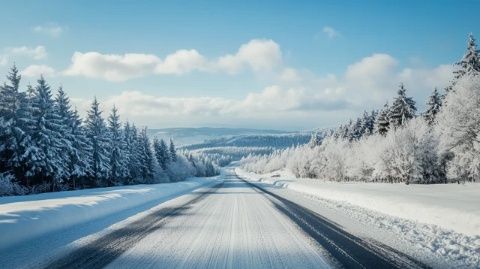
227,226
234,224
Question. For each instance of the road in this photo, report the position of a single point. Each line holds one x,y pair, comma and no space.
235,224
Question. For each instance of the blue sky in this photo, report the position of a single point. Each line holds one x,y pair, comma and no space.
304,64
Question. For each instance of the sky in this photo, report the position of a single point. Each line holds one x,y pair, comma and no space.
290,65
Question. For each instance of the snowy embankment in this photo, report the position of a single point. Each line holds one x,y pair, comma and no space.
27,217
450,206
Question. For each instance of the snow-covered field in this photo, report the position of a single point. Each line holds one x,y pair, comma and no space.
442,222
23,218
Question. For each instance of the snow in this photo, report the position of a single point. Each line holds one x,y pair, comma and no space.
24,218
234,227
409,218
451,206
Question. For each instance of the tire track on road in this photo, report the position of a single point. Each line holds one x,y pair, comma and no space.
347,249
103,250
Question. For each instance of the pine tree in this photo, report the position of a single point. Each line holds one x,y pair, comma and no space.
63,110
382,122
146,157
470,63
16,122
459,128
116,149
128,141
356,130
78,164
161,153
347,130
132,152
97,135
402,109
47,164
368,122
315,139
173,152
434,104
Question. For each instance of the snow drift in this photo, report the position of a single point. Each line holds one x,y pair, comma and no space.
25,217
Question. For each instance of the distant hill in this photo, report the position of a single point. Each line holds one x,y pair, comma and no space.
224,145
274,141
189,136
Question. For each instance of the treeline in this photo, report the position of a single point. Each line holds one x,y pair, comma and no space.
395,144
46,146
223,156
277,141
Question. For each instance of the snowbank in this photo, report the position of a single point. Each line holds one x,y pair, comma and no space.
26,217
451,206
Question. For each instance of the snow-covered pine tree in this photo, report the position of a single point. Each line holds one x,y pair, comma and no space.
116,149
135,153
78,164
357,130
98,139
48,166
128,152
63,110
173,152
16,148
382,122
470,63
161,152
315,139
347,130
402,109
459,126
146,157
368,122
434,104
338,132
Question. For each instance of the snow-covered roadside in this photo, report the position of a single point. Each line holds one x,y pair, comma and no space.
451,206
26,217
434,245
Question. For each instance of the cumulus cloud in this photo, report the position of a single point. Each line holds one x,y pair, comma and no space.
289,74
112,67
50,29
38,70
297,97
258,55
181,62
330,32
11,53
36,53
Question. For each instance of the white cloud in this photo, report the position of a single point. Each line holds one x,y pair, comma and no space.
299,98
258,55
439,76
12,53
289,75
38,70
36,53
50,29
311,102
330,32
112,67
181,62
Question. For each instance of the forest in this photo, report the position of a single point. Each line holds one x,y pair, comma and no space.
395,143
46,146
